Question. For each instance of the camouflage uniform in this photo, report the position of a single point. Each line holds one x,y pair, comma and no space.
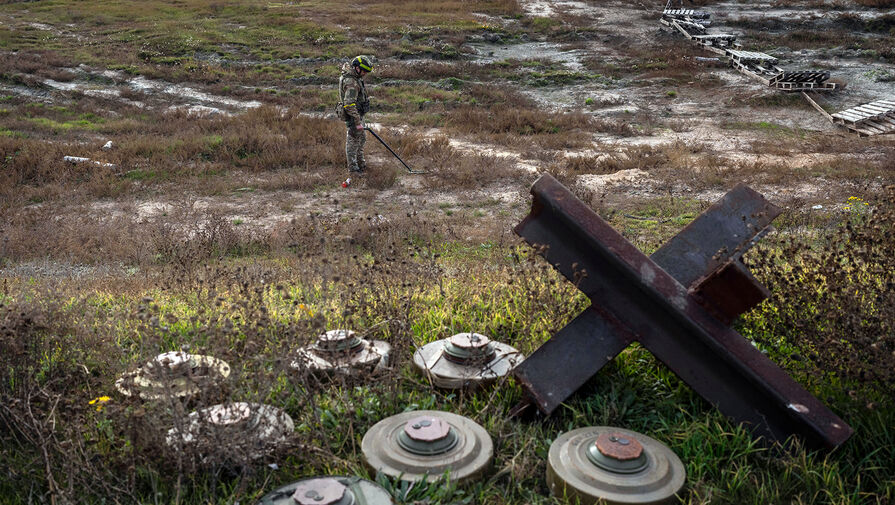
355,102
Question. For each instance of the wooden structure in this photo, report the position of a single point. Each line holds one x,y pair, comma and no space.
874,118
692,24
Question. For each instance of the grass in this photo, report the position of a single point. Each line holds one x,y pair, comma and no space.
222,309
226,234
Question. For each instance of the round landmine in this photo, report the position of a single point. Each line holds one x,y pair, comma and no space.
423,445
173,374
614,466
466,359
237,430
335,490
342,351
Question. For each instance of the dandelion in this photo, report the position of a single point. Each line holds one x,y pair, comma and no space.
99,402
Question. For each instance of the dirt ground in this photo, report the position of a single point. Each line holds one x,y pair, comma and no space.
716,119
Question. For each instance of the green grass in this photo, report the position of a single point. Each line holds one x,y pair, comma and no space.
491,289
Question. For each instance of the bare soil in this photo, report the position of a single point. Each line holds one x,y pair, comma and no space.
713,126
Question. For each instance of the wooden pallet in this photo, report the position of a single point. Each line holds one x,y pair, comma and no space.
719,40
874,118
685,14
802,80
750,56
803,86
690,29
802,76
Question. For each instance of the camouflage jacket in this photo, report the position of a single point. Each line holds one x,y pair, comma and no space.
352,94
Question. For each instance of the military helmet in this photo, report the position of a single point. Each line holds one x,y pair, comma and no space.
363,62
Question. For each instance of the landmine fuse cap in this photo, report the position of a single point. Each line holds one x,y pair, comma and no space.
173,374
342,351
613,466
424,444
328,490
466,359
239,430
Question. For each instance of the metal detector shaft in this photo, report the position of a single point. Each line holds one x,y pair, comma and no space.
412,171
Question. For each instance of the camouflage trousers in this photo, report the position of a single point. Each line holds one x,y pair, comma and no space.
354,147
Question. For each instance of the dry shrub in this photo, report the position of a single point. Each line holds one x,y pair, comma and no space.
833,298
29,162
77,238
469,171
427,70
878,4
514,120
485,94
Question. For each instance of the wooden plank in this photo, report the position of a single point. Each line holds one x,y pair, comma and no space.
681,29
750,73
864,112
868,127
716,50
869,111
883,128
872,108
848,116
750,55
818,107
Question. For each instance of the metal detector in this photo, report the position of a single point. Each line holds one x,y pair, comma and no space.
412,171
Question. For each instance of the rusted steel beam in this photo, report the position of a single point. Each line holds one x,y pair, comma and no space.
723,232
696,257
629,289
571,357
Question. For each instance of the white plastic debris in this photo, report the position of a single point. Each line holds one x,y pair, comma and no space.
107,145
78,159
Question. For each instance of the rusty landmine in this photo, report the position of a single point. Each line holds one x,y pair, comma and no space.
232,431
466,360
342,351
424,444
328,490
173,374
615,466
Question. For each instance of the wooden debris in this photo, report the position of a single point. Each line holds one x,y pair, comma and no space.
874,118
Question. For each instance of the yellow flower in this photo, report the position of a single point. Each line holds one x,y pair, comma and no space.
99,402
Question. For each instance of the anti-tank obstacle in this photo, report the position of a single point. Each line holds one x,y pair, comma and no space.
678,303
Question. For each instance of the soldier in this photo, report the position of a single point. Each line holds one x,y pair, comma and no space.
354,103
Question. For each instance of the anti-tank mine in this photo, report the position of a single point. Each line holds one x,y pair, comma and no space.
423,445
466,360
174,374
236,431
328,490
614,466
342,351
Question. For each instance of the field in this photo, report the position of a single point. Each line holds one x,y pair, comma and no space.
215,222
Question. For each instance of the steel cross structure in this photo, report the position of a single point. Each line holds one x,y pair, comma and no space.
677,303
